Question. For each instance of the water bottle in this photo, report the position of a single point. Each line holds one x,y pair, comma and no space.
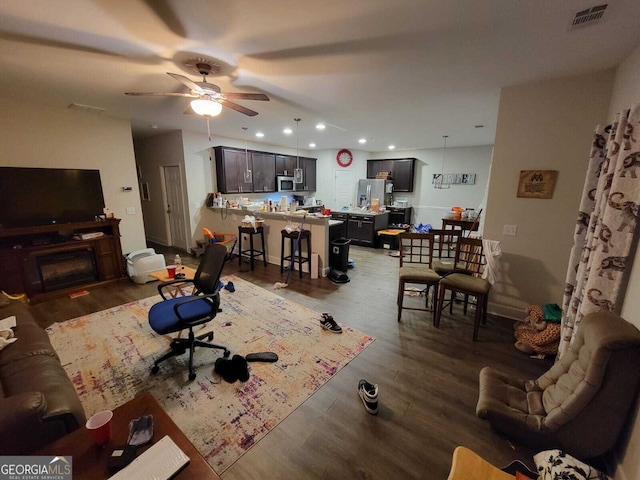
178,263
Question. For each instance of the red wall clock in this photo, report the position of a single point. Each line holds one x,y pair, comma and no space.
344,158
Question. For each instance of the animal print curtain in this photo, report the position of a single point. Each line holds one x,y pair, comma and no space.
606,224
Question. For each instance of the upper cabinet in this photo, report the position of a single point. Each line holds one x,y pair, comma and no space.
230,167
308,166
264,172
402,172
285,164
231,163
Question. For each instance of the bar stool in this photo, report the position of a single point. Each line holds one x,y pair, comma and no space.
293,236
251,252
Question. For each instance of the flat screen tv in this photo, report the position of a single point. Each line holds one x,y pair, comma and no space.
44,196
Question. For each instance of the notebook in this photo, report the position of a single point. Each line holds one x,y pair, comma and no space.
160,462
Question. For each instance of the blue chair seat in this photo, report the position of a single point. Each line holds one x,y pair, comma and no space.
163,318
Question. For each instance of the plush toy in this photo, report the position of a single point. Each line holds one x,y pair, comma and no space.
536,335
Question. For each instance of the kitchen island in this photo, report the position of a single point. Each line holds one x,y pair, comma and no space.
227,220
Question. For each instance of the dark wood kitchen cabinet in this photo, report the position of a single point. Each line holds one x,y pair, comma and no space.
264,171
308,166
362,228
402,172
285,164
230,166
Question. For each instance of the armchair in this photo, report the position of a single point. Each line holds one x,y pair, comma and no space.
176,314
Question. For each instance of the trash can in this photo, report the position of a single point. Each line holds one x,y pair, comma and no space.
339,258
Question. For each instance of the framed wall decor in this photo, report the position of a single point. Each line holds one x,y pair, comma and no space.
537,183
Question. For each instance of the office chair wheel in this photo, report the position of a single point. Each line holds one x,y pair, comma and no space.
155,369
192,376
226,353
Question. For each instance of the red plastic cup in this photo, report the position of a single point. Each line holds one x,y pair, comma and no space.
99,426
171,270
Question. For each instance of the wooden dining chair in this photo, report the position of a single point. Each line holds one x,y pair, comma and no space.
468,281
416,257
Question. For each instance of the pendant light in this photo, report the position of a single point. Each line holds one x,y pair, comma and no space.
247,173
297,172
440,182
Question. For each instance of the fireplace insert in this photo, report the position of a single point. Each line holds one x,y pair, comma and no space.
67,269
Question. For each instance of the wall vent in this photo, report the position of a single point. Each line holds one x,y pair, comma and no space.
588,17
85,108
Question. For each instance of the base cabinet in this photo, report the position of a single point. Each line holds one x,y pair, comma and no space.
362,229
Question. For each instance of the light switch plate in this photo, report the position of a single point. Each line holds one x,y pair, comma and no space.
511,230
131,210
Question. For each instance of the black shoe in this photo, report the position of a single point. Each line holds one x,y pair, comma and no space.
328,323
225,368
240,367
369,395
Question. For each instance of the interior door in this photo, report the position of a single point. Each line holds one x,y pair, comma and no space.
344,188
175,207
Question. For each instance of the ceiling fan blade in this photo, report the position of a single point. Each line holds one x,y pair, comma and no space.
162,94
247,96
238,108
184,80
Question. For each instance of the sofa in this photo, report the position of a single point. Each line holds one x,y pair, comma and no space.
38,403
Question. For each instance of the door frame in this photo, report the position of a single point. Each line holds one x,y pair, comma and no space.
181,224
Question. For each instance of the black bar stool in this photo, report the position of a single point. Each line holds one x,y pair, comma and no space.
251,252
293,236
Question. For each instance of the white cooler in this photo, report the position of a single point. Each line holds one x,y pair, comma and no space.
142,262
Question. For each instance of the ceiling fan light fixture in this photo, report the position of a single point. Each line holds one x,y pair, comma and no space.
206,107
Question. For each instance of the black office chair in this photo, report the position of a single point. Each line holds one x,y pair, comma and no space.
176,314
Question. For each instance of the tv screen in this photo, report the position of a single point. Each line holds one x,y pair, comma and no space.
44,196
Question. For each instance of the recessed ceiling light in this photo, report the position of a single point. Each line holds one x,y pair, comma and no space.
287,131
312,145
321,126
392,147
362,140
259,134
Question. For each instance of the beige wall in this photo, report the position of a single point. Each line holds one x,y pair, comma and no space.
48,137
547,126
626,92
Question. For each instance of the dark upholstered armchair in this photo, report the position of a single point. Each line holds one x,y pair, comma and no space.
582,403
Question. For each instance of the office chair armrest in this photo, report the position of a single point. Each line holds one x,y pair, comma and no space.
163,285
215,305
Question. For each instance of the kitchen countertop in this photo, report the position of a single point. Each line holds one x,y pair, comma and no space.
359,212
310,218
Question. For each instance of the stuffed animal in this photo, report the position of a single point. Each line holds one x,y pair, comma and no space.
536,335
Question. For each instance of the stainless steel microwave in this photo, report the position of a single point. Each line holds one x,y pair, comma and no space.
285,184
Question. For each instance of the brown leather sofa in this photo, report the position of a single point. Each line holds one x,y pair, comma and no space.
38,403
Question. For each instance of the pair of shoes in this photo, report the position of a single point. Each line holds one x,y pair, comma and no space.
328,323
369,395
232,370
229,286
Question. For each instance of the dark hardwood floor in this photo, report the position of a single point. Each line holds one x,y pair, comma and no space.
428,379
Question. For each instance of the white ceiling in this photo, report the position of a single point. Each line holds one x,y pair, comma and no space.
404,72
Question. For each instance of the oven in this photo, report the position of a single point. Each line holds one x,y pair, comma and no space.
285,184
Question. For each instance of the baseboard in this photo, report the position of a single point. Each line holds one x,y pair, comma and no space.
506,311
159,241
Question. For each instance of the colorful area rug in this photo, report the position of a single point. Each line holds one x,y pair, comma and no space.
109,354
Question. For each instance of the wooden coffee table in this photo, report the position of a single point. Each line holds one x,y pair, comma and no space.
90,462
177,288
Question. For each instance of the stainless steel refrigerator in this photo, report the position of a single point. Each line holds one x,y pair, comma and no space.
369,188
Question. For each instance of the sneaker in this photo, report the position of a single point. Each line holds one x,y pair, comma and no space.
328,323
230,287
369,395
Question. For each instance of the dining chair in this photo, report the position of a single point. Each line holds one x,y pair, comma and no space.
416,256
467,280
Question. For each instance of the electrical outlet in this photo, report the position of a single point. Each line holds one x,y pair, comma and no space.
511,230
131,210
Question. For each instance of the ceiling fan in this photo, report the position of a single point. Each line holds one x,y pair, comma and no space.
208,99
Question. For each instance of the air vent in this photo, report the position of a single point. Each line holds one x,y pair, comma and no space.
588,17
85,108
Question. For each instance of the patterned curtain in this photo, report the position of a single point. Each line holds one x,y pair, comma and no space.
606,224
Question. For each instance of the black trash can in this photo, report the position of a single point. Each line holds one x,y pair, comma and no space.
339,258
